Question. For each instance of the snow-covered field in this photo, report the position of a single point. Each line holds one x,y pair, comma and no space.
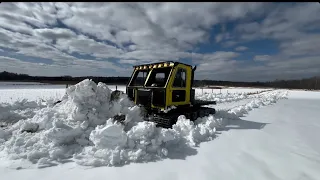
7,83
28,85
255,134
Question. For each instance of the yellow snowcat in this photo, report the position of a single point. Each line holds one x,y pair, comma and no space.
164,91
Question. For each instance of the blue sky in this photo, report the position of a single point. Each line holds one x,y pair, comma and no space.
227,41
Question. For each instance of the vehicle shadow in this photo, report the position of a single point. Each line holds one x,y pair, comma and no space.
235,122
182,152
244,124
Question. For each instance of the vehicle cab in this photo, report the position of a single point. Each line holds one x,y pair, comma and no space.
161,85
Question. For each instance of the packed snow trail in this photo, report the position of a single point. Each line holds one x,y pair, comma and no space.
81,129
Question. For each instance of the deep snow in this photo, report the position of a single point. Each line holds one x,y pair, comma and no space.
273,142
81,129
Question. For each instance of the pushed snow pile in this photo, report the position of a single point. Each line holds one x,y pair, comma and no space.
22,109
81,128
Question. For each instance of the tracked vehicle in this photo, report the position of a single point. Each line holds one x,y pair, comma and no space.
164,91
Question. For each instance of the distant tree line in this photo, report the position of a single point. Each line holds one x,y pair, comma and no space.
8,76
307,83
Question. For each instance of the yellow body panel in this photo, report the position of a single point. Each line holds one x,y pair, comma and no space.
170,87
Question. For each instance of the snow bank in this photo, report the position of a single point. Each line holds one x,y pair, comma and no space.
262,100
81,128
222,98
230,97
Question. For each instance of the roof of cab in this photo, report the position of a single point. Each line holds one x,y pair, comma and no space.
169,63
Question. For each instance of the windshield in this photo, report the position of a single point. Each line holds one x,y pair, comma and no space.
159,77
139,78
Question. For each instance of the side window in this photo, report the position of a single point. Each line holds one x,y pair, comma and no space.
140,78
180,78
158,77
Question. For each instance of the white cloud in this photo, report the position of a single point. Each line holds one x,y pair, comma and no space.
283,22
261,57
211,65
84,45
155,24
241,48
22,15
302,45
219,38
131,33
54,33
229,43
75,68
128,61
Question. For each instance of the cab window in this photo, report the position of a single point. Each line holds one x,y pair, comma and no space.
158,77
180,78
139,78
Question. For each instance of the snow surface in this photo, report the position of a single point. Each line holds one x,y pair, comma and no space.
80,129
28,85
